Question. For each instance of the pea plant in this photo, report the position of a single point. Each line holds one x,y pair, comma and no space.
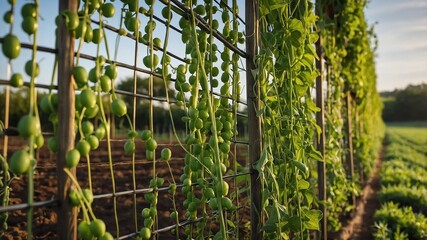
349,46
211,117
208,197
22,161
286,75
5,181
403,191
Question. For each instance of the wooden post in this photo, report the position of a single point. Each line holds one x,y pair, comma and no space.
350,160
254,122
358,132
67,220
320,120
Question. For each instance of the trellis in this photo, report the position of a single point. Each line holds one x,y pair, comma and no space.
65,51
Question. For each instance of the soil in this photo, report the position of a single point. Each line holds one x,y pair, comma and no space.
45,185
360,226
45,218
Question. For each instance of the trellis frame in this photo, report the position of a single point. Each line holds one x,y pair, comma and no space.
67,215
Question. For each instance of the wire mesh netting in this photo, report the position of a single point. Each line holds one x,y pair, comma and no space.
160,120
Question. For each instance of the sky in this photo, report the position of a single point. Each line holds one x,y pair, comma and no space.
401,28
125,49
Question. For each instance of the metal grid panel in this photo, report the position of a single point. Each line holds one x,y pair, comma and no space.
137,68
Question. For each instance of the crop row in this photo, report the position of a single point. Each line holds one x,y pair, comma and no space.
403,192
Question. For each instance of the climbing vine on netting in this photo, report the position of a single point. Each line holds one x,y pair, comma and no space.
349,49
286,74
207,85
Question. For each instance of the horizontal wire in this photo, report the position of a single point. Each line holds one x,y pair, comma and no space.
117,63
55,202
122,92
111,28
161,189
23,206
205,27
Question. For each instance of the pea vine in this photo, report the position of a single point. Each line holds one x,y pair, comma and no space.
22,162
16,80
349,54
286,75
339,187
210,119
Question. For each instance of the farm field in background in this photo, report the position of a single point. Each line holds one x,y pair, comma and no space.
416,132
403,178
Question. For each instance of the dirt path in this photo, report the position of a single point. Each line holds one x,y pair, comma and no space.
360,227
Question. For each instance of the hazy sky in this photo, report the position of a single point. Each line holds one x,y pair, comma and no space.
402,36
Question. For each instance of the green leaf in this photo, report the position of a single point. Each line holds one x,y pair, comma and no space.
294,224
296,25
296,39
230,223
301,166
313,37
301,90
311,105
314,217
309,196
316,155
299,81
270,225
262,161
268,6
303,184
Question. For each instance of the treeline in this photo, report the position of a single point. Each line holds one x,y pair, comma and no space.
407,104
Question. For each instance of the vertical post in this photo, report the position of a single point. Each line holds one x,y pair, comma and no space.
67,220
359,128
350,160
254,122
320,120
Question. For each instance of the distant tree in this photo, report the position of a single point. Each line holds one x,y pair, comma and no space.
389,113
409,104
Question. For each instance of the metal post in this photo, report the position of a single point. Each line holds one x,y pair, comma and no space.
320,120
67,220
254,123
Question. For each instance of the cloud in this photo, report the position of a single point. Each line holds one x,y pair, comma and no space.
417,48
402,35
393,7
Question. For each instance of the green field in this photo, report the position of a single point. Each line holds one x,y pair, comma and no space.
403,193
